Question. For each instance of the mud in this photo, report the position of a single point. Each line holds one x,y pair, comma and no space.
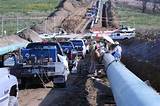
32,97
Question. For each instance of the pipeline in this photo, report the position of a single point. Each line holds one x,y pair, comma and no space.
127,88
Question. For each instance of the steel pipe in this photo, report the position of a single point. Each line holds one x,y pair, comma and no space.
127,88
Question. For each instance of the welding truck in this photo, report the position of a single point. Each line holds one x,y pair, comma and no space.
41,61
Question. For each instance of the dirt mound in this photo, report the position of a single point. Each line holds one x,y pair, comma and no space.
51,23
30,35
148,34
86,1
68,6
66,17
92,92
9,40
70,24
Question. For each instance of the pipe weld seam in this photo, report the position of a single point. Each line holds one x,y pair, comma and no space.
110,64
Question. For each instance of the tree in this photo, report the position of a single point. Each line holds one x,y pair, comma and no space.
155,2
144,4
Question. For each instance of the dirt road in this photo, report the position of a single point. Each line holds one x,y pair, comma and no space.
81,90
32,97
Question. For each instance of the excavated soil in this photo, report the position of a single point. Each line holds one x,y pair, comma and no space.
81,90
9,40
67,16
142,58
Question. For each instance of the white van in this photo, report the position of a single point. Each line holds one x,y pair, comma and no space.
8,87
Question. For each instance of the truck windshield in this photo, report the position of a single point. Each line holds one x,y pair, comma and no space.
77,42
44,46
67,44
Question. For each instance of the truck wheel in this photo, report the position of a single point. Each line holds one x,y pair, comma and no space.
126,38
13,91
63,85
13,101
23,84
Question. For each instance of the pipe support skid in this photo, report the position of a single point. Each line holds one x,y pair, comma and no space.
127,88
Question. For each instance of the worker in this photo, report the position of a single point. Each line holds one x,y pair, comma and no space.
94,60
92,45
14,58
117,50
11,60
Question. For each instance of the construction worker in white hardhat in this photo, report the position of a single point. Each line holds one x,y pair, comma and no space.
116,43
117,50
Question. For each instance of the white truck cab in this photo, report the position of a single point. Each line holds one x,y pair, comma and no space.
80,46
124,33
8,86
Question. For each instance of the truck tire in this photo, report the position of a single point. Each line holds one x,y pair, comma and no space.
13,91
61,84
23,84
126,38
13,101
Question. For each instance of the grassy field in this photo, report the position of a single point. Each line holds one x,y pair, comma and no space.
138,19
26,6
23,9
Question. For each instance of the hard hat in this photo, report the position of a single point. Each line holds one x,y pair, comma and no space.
94,42
116,42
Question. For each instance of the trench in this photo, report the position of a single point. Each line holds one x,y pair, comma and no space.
81,90
143,58
104,20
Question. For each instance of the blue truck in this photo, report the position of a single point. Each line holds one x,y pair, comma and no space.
70,52
44,61
80,46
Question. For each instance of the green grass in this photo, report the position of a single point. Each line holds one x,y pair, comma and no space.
10,26
138,19
24,8
21,6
